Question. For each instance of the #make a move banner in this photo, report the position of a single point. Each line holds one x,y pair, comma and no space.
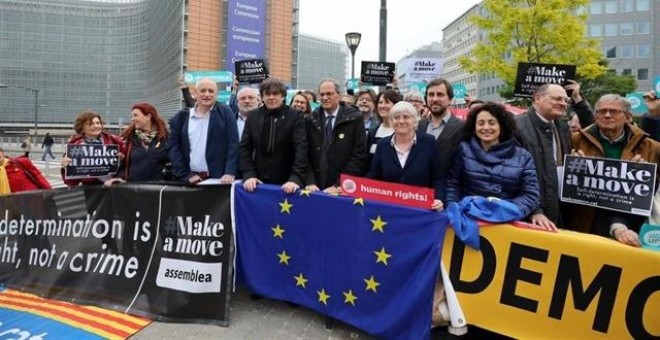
159,251
528,284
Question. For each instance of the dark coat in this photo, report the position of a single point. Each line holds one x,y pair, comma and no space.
536,136
144,164
221,144
506,171
447,143
346,154
286,160
422,167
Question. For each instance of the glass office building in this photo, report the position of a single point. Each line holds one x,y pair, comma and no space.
81,54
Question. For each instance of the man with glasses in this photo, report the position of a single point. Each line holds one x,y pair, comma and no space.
366,103
612,137
336,139
417,100
546,136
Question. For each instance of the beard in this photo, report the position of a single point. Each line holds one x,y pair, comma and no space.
440,112
364,109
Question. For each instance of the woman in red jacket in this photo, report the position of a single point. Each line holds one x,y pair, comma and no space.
19,174
89,130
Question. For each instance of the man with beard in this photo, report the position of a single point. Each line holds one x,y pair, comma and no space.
447,129
366,103
248,99
274,144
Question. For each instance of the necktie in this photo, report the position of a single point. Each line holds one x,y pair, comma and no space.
328,130
558,154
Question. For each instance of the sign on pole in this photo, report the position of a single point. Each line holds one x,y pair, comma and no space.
251,71
377,73
530,76
217,76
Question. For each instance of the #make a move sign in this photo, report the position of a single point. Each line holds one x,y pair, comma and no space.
91,160
609,183
377,73
530,76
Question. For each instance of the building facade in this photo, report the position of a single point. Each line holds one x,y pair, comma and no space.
629,32
58,57
318,59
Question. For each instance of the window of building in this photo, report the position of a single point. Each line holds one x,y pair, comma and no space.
642,5
643,27
596,7
626,6
611,6
596,30
626,28
626,51
643,74
626,72
610,52
643,51
610,30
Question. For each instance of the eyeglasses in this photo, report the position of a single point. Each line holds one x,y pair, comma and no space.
565,100
613,112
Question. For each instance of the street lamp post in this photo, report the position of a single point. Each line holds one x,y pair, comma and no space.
353,40
36,108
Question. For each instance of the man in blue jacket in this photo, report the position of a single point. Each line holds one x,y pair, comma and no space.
203,139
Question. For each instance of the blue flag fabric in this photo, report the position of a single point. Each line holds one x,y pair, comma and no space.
369,264
463,216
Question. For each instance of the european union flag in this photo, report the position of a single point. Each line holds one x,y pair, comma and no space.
369,264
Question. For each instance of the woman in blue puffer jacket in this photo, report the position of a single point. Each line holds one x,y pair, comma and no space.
490,164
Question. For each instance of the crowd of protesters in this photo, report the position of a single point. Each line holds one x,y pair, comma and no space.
412,139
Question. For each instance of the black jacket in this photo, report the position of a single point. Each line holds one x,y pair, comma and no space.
347,153
536,136
446,144
274,151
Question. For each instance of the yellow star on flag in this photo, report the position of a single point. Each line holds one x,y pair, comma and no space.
300,280
284,258
349,297
278,231
382,256
323,297
358,201
304,192
286,206
372,284
378,224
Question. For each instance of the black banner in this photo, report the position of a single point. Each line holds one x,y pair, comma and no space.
530,76
91,160
609,183
377,73
251,71
160,251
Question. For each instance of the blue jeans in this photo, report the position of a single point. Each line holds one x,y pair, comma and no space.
47,152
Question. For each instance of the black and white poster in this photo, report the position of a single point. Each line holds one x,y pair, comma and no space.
251,71
91,160
609,183
377,73
530,76
164,252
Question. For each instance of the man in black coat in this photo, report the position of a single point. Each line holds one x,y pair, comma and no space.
337,142
274,143
546,136
441,124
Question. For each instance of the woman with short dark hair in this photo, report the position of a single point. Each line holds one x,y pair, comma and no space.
489,163
89,130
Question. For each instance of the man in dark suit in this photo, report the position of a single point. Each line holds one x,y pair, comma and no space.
274,143
336,139
203,139
441,124
546,136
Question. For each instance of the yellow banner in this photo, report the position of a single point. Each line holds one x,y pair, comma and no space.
531,284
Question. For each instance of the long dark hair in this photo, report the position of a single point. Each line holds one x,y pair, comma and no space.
504,118
156,121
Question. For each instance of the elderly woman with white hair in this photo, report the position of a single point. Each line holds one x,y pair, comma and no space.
407,156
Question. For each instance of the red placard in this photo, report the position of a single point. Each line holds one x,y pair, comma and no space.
412,196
